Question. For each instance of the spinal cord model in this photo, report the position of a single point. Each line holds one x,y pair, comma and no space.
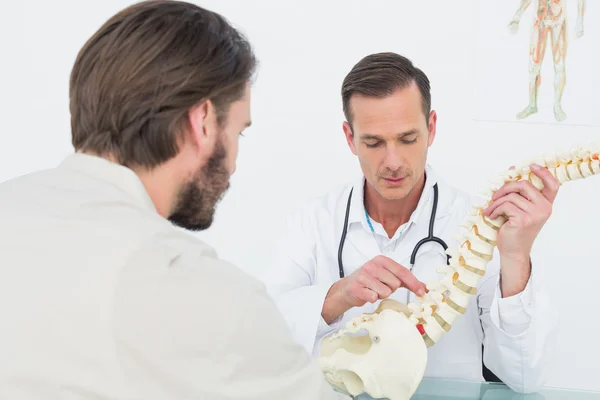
390,360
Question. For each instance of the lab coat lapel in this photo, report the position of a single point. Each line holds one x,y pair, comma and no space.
360,245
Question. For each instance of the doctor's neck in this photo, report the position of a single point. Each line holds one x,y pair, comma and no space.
392,214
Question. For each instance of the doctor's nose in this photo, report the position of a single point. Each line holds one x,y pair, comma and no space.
392,161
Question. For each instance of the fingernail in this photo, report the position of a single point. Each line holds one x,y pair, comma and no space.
421,292
535,167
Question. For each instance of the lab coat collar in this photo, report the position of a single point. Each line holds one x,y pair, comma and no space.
357,208
113,174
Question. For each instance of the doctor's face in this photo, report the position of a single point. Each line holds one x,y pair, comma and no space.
199,195
391,137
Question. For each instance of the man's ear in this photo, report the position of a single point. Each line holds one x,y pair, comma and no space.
432,127
202,121
349,136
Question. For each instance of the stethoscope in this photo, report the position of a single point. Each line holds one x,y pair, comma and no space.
429,238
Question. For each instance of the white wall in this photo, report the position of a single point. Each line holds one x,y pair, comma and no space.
296,145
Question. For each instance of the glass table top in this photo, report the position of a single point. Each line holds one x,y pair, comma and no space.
441,389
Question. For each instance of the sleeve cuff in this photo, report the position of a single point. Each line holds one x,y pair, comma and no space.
323,328
514,312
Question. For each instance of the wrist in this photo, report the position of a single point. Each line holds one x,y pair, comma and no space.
519,257
515,271
334,304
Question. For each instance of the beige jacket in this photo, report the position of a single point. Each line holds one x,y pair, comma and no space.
101,298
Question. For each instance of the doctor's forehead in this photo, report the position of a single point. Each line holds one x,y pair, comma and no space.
395,114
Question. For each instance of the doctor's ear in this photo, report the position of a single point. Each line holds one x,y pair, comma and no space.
432,126
347,128
202,120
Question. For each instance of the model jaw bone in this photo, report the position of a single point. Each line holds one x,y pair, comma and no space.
389,362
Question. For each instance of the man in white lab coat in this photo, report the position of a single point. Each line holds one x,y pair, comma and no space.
101,295
384,214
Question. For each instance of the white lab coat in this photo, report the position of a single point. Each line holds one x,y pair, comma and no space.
519,333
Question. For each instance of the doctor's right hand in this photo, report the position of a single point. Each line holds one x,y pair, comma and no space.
375,280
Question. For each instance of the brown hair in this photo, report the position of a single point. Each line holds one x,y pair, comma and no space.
380,75
136,78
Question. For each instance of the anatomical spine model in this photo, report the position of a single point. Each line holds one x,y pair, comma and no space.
390,361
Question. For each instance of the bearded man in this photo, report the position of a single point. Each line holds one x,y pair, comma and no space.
102,295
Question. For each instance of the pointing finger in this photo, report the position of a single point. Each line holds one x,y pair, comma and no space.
385,276
366,294
382,290
407,278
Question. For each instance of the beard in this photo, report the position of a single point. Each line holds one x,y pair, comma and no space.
197,199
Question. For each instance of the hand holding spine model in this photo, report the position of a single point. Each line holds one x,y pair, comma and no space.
390,361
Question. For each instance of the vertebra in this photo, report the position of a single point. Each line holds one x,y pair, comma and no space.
447,299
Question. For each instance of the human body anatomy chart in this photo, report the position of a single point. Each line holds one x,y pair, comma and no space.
534,61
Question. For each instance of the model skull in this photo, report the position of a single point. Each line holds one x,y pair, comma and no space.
387,362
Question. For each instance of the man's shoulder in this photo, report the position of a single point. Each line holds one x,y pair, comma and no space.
175,253
25,179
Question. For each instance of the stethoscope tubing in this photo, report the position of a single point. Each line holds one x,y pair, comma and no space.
430,237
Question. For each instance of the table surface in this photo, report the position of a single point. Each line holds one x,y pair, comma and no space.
442,389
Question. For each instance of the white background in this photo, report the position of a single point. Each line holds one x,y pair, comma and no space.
296,149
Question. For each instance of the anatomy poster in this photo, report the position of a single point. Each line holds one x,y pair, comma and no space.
537,61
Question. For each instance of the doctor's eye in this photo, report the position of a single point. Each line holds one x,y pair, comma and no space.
372,145
409,141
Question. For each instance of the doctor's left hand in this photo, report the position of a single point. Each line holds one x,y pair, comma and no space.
526,209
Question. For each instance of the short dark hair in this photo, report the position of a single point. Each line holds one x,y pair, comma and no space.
380,75
137,77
